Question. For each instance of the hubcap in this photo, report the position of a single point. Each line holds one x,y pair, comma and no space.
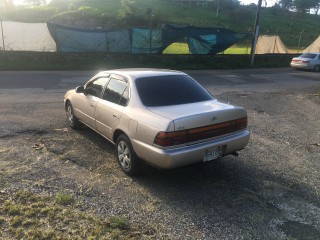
317,68
124,155
70,115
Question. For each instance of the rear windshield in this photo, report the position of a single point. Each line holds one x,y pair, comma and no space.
170,90
308,55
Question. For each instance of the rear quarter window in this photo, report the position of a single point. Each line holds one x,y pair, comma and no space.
308,55
170,90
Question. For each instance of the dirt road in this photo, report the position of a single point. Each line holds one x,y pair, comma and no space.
271,191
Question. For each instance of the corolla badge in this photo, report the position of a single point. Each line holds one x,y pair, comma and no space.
213,119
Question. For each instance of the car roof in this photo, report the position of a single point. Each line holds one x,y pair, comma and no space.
134,73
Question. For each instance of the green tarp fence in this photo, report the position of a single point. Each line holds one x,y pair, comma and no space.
142,40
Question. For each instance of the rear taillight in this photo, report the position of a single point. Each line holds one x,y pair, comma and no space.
169,139
241,123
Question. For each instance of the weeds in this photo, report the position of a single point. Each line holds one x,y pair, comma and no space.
119,223
64,199
30,216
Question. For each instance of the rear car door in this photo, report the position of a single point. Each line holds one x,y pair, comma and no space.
86,103
109,109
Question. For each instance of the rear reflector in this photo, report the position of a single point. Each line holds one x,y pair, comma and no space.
168,139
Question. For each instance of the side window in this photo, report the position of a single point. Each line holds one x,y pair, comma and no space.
95,88
116,92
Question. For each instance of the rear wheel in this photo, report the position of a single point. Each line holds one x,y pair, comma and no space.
317,68
127,159
72,120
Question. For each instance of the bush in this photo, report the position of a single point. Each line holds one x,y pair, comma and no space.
64,199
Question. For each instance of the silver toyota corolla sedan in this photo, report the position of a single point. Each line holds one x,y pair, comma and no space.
163,117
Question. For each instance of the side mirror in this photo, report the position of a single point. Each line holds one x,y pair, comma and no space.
80,89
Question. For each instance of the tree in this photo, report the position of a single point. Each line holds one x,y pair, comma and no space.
227,5
127,9
6,3
285,4
317,8
35,3
304,6
128,13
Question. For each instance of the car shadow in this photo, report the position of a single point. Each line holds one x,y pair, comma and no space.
229,193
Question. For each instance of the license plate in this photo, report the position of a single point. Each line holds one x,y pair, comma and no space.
212,154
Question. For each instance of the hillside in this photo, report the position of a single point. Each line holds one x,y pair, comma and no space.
296,30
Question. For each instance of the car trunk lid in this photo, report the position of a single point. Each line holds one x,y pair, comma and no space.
189,116
199,122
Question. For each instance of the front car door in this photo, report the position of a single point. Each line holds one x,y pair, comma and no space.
109,109
85,106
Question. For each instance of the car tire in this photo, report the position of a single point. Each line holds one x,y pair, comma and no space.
72,120
127,158
317,68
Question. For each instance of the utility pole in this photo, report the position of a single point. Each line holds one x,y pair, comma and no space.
256,32
4,48
150,15
150,29
300,39
218,8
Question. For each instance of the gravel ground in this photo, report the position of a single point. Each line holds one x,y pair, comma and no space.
271,191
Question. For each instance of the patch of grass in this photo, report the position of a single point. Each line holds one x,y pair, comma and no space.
16,221
2,220
30,216
182,48
238,50
115,234
118,223
64,199
177,48
11,209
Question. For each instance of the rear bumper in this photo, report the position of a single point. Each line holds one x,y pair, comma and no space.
302,66
187,155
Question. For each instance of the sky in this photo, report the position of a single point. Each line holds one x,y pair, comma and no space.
269,2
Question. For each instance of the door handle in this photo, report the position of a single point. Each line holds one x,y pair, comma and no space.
113,115
91,105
